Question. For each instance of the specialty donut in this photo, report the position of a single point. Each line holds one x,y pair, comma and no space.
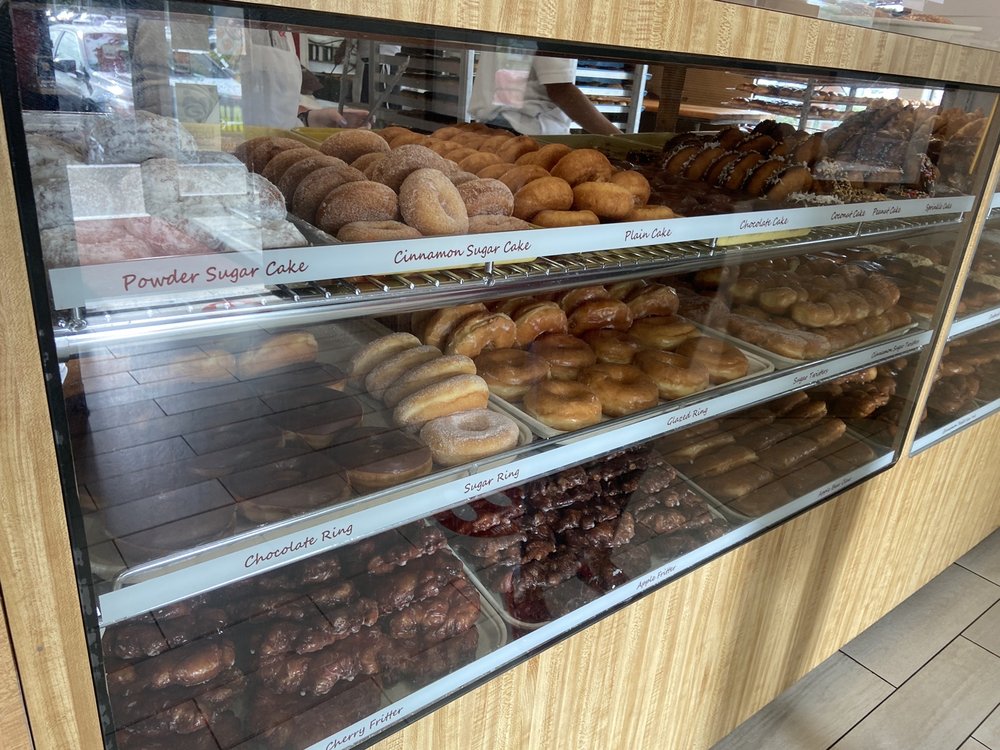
455,394
547,156
652,299
397,165
370,355
489,223
617,347
563,404
545,192
677,162
735,174
599,313
517,177
300,170
509,373
431,204
759,142
375,458
566,354
793,179
361,200
440,325
675,375
583,165
350,144
635,183
697,166
421,376
622,389
549,218
481,331
376,231
281,161
723,361
389,370
535,319
486,197
607,200
662,331
469,435
760,179
719,166
315,186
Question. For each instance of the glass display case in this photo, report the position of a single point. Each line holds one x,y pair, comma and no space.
357,418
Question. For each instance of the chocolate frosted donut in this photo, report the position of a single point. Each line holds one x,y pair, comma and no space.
430,203
487,197
317,185
318,423
361,200
376,458
350,144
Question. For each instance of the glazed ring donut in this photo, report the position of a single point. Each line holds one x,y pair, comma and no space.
494,171
570,300
486,197
612,346
361,200
650,213
702,161
583,165
607,200
679,161
397,165
723,361
283,160
431,204
760,179
375,352
794,179
389,370
735,175
563,404
517,147
440,325
566,354
600,313
662,331
719,166
622,389
519,176
675,375
545,192
652,299
490,223
511,372
300,170
449,396
512,305
622,289
377,231
635,183
468,436
315,186
480,332
547,156
551,219
534,319
432,371
350,144
477,160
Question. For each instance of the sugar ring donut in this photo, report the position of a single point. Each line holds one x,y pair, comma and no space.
545,192
481,331
431,204
315,186
535,319
432,371
440,325
635,182
350,144
662,331
549,218
600,313
486,197
675,375
547,156
377,231
397,165
622,389
617,347
760,179
583,165
449,396
563,404
511,372
468,436
723,361
697,167
605,199
566,354
361,200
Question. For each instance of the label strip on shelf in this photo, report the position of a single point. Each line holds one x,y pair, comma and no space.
972,322
935,436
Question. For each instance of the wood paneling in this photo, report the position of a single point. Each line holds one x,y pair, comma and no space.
13,720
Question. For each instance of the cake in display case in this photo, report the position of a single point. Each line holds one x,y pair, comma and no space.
359,417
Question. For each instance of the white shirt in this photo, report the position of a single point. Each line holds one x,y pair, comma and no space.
512,86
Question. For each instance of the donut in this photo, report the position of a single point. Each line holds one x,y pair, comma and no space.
509,373
377,231
315,186
534,319
301,169
538,195
613,346
785,149
486,197
718,166
675,375
317,424
514,148
447,132
494,171
662,331
563,404
468,436
599,313
375,458
243,150
650,213
729,137
547,156
432,371
387,134
431,204
723,361
678,162
457,154
566,354
494,140
635,183
760,179
622,289
366,161
570,300
350,144
761,143
517,177
793,179
389,370
477,160
697,166
460,178
374,352
301,497
409,139
735,174
488,223
397,165
481,331
440,147
652,299
440,324
281,161
263,150
810,151
621,389
583,165
361,200
448,396
607,200
549,218
512,305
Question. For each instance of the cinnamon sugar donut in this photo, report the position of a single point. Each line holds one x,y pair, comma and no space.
537,318
675,375
583,165
350,144
607,200
397,165
617,347
635,183
298,171
566,354
481,331
366,161
517,177
362,200
430,203
490,223
277,166
494,140
440,324
477,160
599,313
662,331
410,139
377,231
494,171
486,197
468,436
263,150
447,132
549,218
723,361
538,195
547,156
563,404
315,186
621,389
511,372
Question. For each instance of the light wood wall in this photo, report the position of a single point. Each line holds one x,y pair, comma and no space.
13,719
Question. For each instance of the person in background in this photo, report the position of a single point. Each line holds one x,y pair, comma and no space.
533,94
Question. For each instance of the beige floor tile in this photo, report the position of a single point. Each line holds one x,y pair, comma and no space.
986,631
988,733
908,637
814,712
984,558
938,708
971,744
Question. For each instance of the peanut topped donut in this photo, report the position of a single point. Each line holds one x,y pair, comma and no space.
430,203
480,332
362,200
397,165
487,197
566,354
350,144
583,165
622,389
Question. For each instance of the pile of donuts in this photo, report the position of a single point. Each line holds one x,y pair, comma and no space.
577,357
435,394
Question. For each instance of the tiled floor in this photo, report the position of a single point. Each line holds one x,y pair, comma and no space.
924,677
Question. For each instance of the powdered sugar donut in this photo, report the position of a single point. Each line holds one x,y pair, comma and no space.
469,435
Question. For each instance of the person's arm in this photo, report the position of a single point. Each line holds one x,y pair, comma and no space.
330,117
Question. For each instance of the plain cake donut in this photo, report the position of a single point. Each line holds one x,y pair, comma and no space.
583,165
431,204
550,218
545,192
563,404
469,435
605,199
